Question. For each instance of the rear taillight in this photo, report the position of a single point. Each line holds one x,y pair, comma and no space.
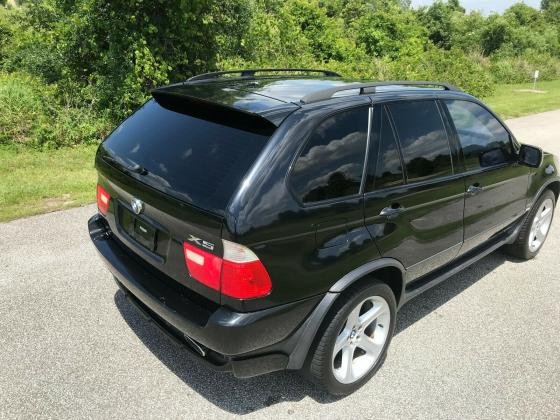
103,199
203,266
243,274
239,274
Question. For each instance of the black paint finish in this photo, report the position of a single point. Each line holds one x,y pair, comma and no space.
420,217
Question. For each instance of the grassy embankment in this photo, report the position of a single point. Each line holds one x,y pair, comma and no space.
38,181
34,181
512,101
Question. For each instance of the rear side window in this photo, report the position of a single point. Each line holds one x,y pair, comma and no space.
388,167
331,163
423,139
199,161
485,142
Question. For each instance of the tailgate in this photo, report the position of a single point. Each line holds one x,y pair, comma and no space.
156,235
179,167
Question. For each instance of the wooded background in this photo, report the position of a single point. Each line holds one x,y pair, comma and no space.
71,69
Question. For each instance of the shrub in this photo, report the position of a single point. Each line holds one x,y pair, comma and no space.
25,47
7,29
521,69
31,114
450,66
125,48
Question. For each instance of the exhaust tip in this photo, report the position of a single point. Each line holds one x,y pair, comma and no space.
197,347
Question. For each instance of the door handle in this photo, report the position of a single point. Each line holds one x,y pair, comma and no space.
392,211
474,189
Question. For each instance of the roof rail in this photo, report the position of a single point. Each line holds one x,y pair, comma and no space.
369,88
250,73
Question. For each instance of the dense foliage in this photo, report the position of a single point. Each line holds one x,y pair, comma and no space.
81,65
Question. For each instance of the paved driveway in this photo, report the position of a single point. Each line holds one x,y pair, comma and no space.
540,129
484,344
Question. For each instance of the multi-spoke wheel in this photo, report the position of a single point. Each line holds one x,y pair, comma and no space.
535,229
354,340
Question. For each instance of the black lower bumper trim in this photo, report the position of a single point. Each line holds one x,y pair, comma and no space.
215,360
259,365
244,368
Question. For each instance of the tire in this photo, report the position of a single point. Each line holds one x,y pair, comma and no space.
327,368
535,228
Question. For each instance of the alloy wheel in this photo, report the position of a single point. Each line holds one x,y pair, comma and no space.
361,340
541,225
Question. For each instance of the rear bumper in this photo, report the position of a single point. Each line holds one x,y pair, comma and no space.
247,343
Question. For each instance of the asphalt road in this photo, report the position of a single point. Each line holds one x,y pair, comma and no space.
484,344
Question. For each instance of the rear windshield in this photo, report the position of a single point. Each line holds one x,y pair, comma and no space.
200,161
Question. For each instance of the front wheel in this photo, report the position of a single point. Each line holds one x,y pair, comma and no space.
354,340
535,228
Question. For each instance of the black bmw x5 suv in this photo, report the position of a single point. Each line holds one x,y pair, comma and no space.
277,219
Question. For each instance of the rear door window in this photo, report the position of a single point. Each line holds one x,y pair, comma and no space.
423,139
332,161
484,140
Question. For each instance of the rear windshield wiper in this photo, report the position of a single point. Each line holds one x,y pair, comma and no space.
134,167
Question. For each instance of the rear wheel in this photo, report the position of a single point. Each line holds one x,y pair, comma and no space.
353,343
535,228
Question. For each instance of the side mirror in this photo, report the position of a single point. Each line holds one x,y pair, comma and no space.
530,155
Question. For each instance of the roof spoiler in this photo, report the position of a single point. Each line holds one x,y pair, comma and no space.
213,111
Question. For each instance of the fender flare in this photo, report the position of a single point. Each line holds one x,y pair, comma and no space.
308,330
541,190
364,270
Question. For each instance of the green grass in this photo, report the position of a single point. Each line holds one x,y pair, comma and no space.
38,181
509,103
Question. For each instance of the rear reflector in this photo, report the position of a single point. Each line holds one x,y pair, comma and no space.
103,199
203,266
239,274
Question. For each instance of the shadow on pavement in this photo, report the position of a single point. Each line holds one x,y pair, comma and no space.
248,395
238,396
432,299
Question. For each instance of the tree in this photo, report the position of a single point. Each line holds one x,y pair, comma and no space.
522,15
456,6
438,21
390,32
546,4
552,11
494,34
115,52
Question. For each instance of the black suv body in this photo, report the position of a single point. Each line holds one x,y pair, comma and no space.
247,215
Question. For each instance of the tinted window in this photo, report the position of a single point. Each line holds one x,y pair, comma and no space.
196,160
423,139
484,140
388,169
332,160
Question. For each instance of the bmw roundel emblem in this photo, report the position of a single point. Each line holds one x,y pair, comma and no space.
137,205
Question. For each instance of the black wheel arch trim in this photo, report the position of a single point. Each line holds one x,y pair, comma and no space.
364,270
311,326
542,189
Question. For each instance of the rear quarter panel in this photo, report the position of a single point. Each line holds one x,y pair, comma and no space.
283,233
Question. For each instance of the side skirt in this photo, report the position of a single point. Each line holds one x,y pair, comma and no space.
428,281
